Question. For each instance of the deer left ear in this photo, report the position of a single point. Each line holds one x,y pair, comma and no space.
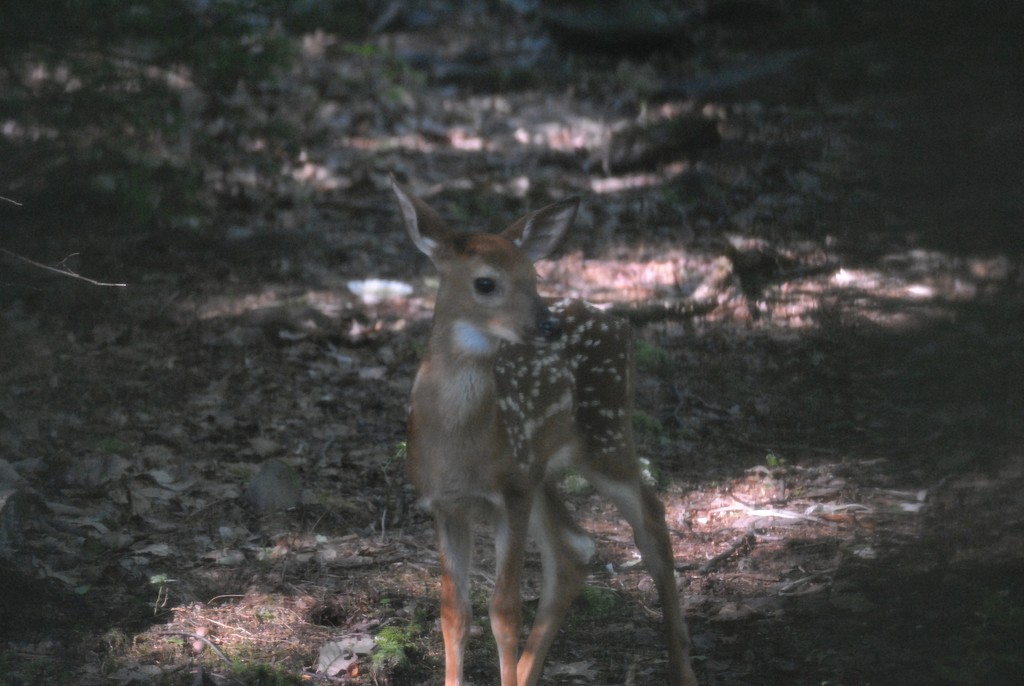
539,233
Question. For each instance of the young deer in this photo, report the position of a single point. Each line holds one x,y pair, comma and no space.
510,392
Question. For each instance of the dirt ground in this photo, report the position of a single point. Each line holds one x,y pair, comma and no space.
829,304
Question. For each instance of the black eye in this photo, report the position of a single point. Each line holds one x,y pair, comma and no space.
484,285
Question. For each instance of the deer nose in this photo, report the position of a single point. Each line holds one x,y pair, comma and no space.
550,328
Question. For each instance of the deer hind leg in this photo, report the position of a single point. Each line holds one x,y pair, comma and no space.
454,543
640,506
511,527
565,551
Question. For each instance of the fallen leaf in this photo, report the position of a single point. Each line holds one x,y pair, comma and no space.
341,655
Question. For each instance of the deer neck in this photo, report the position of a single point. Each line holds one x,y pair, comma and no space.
458,373
457,443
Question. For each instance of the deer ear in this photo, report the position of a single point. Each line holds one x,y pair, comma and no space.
425,226
539,233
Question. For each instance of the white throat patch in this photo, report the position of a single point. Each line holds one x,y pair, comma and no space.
472,340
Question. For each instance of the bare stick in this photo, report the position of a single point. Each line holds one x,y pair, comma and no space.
199,637
791,587
746,541
63,271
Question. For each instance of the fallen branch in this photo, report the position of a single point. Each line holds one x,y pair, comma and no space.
767,512
747,541
660,312
791,587
63,271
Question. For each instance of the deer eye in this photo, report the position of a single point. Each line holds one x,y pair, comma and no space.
484,285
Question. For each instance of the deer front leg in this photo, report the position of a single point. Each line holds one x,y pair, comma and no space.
454,543
511,527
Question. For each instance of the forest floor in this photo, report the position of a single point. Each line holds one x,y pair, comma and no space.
823,266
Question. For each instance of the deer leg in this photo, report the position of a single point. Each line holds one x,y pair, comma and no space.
511,526
640,506
454,543
565,551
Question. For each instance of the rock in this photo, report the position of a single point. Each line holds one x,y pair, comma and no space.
276,487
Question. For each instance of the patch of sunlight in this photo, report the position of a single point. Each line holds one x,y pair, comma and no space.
233,306
14,130
577,133
517,186
463,140
617,184
918,286
618,280
320,177
328,303
920,290
414,142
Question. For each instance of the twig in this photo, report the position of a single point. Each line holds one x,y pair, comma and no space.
13,202
790,588
199,637
747,540
63,271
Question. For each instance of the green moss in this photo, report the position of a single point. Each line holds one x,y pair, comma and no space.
597,604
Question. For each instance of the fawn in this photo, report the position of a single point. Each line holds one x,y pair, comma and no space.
512,390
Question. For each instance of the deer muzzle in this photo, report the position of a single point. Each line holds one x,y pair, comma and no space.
549,327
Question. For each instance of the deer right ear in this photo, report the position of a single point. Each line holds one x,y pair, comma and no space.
424,225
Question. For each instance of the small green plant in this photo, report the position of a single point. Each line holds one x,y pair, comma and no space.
393,647
598,603
652,359
397,459
647,426
774,461
574,483
162,582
